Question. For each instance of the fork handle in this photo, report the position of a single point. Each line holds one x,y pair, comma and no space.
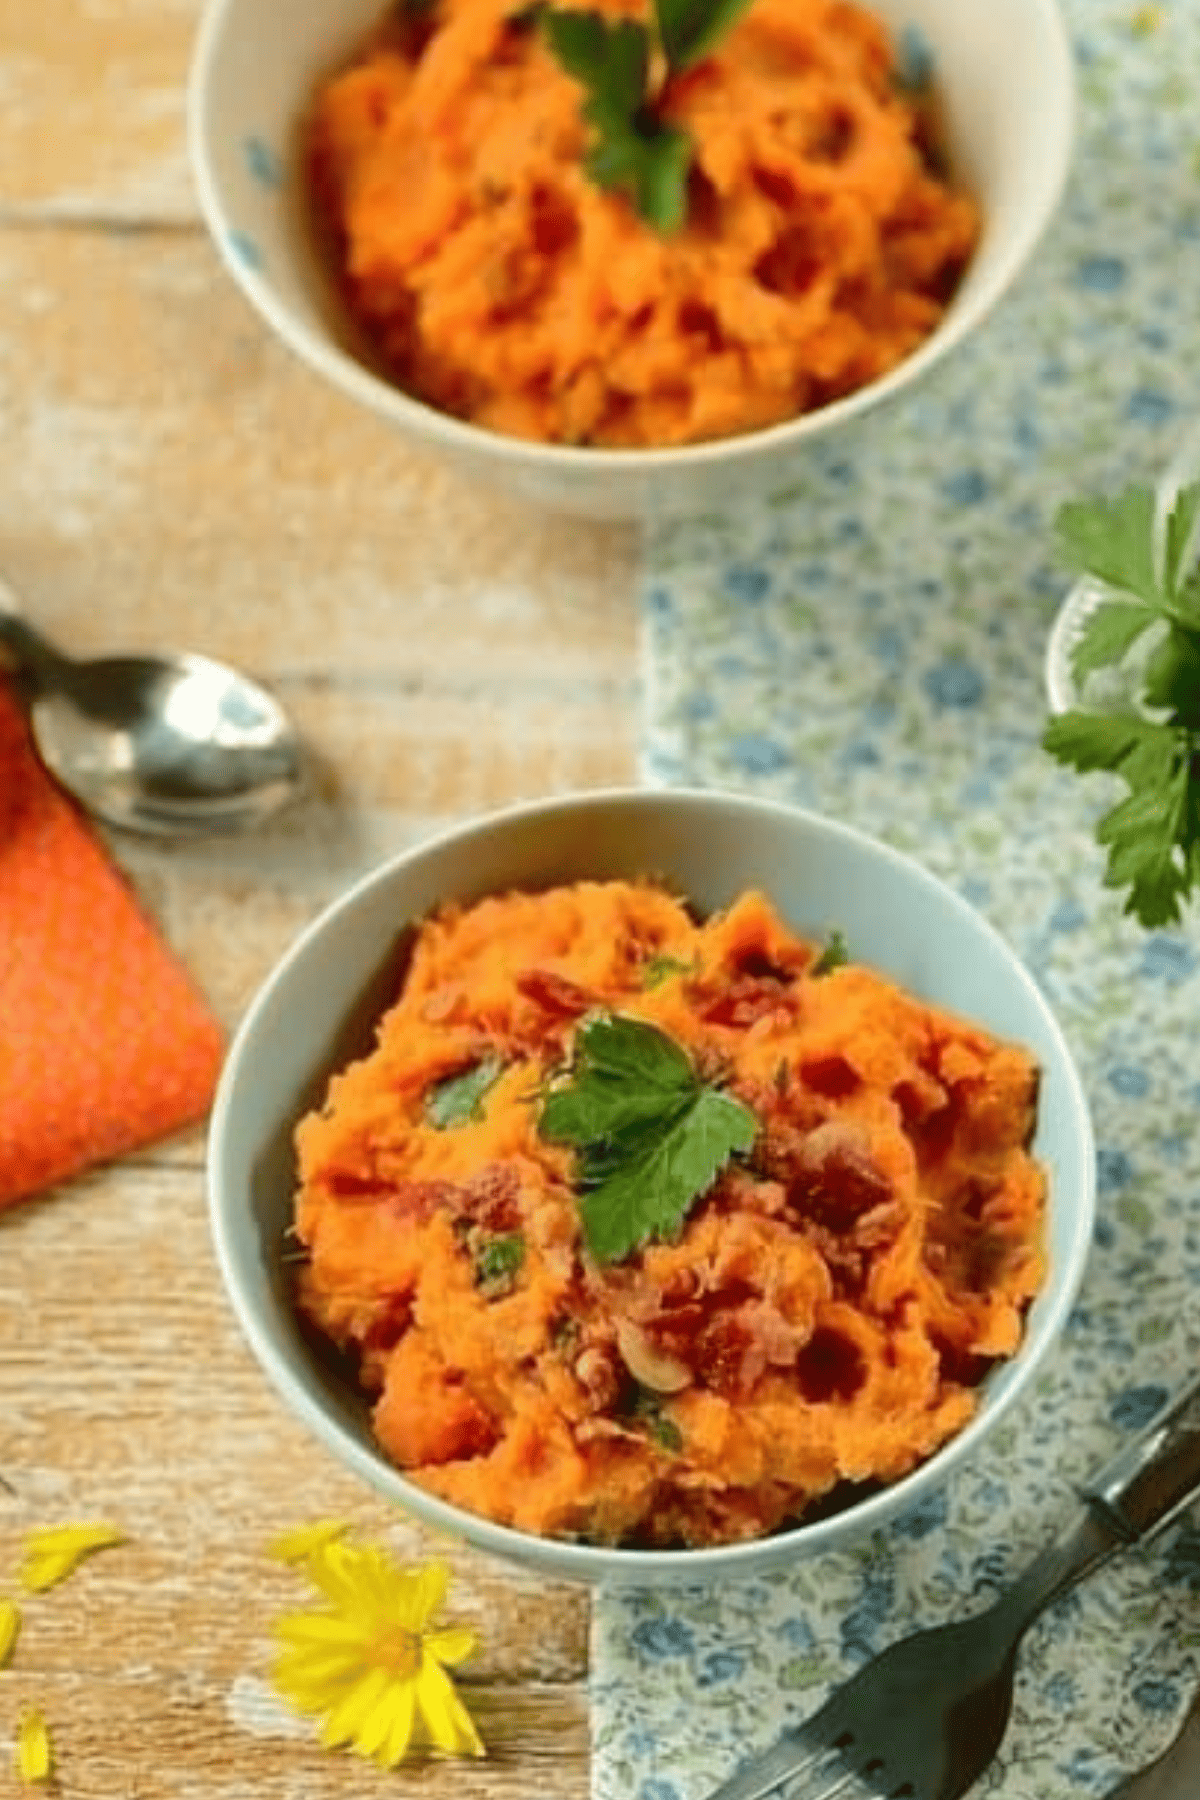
1156,1476
1144,1487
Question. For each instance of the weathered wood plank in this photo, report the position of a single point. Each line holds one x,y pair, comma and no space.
127,1394
92,108
169,475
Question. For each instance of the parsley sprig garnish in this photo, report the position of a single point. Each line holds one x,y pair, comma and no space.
651,1136
626,69
1153,834
835,955
458,1100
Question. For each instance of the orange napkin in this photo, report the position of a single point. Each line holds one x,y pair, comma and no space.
105,1045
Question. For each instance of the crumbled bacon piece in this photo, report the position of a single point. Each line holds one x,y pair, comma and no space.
833,1178
554,993
746,999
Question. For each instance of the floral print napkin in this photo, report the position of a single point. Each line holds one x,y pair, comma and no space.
874,649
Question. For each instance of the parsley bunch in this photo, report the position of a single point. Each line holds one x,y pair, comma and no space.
651,1136
1153,834
634,148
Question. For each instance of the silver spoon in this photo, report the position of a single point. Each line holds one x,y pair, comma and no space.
172,746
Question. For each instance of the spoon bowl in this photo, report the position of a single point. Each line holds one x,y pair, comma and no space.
170,746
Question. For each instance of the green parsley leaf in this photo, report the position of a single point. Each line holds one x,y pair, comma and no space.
626,1074
1112,540
498,1259
650,163
1108,633
459,1099
689,29
657,969
659,1424
1177,534
633,149
609,58
651,1136
1153,835
1172,675
834,956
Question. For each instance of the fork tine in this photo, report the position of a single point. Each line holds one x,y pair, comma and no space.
784,1761
787,1761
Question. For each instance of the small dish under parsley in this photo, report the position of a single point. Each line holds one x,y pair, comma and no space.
654,1231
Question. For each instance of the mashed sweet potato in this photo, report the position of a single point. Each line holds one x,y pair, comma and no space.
822,1316
495,281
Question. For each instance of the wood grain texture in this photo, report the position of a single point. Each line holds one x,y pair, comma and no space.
169,475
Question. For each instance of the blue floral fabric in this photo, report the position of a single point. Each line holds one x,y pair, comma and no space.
875,649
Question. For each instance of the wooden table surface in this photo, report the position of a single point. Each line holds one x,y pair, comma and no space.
169,475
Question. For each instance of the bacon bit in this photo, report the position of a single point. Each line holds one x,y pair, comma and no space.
846,1263
587,1430
747,999
648,1363
345,1185
554,993
597,1373
419,1200
834,1177
771,1333
491,1197
726,1358
879,1226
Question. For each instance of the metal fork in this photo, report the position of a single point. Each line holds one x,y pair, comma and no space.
925,1718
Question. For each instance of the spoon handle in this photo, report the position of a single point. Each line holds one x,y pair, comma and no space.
33,654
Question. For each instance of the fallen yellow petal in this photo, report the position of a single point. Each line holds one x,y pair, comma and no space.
35,1757
303,1541
56,1552
10,1629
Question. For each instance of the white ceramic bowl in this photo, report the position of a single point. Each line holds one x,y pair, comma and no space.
318,1009
1006,74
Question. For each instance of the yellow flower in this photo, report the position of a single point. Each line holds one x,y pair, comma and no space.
53,1554
35,1756
10,1629
367,1662
304,1541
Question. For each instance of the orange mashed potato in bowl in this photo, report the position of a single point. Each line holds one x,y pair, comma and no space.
494,280
651,1231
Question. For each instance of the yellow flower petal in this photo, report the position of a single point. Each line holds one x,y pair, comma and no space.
35,1757
53,1554
10,1629
427,1594
318,1628
443,1714
376,1727
341,1572
313,1681
354,1709
451,1645
297,1545
364,1661
394,1747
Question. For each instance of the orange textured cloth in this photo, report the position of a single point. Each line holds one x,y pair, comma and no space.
105,1045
